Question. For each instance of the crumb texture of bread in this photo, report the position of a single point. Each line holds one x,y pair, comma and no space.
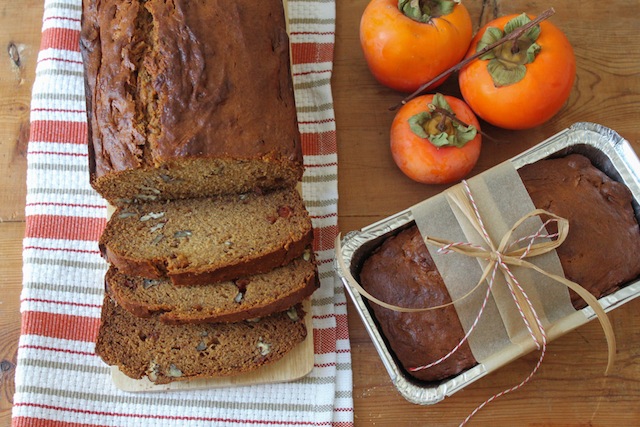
194,241
188,98
164,353
231,301
600,253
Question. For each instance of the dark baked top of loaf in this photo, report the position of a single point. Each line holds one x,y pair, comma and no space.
193,241
230,301
164,353
402,272
173,80
601,250
600,253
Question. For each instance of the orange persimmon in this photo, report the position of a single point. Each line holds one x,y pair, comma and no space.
407,43
433,146
521,84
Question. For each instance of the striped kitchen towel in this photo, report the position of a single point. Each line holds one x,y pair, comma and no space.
59,380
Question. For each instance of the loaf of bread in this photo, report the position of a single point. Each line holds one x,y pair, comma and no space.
188,98
193,136
196,241
249,297
600,253
164,353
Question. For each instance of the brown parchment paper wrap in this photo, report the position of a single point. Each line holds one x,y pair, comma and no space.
502,200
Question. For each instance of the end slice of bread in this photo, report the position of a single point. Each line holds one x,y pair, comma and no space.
164,353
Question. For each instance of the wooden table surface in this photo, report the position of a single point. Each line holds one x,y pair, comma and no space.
570,388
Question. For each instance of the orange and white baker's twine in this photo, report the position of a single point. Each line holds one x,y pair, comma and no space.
500,258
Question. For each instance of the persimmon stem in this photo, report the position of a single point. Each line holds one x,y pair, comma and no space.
515,48
453,117
514,35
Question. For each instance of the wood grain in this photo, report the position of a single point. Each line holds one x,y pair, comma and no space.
570,389
19,43
11,234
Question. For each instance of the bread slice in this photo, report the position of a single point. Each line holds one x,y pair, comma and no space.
208,240
230,301
164,353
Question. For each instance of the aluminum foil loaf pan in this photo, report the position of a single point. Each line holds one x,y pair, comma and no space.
606,149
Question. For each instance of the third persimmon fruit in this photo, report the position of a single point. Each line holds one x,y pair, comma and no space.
435,139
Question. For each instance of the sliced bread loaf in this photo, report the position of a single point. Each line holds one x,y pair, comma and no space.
230,301
208,240
165,353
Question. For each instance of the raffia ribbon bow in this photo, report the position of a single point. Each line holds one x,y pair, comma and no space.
500,257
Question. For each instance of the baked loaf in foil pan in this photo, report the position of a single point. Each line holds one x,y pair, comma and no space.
606,150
